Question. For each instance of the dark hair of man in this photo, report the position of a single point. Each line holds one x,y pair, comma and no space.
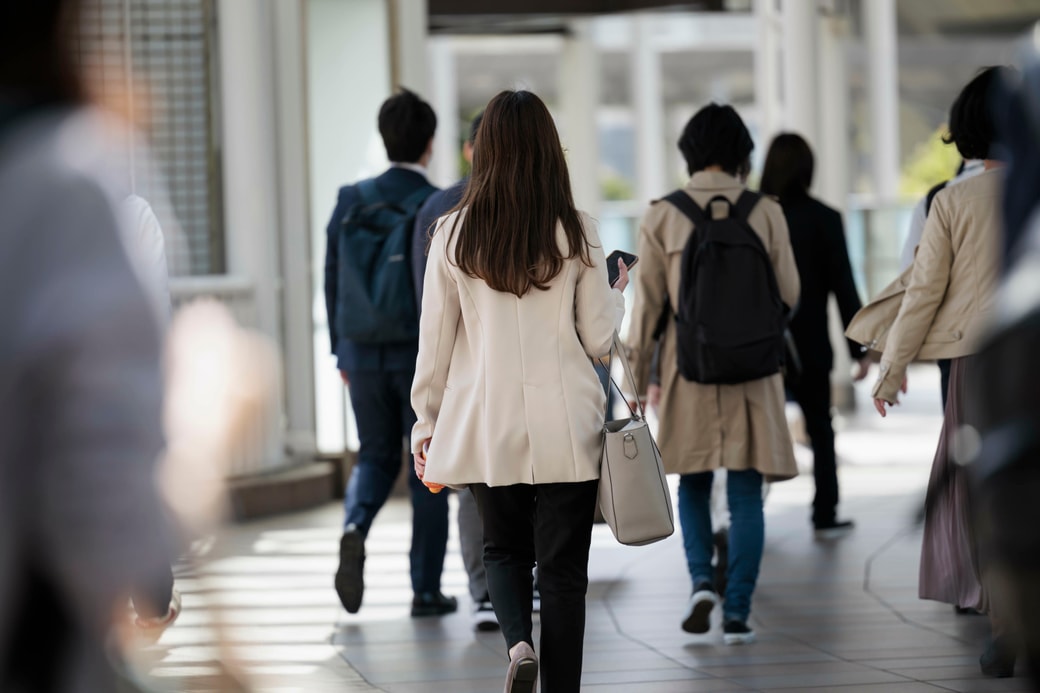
716,136
971,126
518,193
474,125
407,124
789,167
38,62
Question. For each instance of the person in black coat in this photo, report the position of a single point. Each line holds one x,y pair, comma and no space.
818,239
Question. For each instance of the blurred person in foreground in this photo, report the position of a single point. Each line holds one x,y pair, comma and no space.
80,378
945,312
516,303
818,240
740,425
1004,401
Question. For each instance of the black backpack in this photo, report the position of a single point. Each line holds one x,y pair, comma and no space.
730,321
375,302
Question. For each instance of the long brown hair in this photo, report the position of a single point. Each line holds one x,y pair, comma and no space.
518,192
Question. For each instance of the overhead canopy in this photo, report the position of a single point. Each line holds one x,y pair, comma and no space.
538,16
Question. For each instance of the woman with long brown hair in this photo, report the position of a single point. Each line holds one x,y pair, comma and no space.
516,303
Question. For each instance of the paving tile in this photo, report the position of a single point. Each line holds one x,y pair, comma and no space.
819,628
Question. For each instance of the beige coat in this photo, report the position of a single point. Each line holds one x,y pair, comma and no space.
705,427
504,385
949,297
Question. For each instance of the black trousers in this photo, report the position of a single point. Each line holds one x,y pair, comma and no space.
550,524
813,394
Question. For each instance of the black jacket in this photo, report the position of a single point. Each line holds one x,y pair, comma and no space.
818,239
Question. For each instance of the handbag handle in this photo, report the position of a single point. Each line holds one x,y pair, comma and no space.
615,346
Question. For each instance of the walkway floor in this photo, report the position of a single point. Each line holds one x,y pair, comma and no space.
831,616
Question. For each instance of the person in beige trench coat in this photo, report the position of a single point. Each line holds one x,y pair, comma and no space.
739,427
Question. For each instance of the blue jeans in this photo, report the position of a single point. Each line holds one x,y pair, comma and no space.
383,411
746,534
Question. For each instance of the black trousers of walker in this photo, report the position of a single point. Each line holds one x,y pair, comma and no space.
813,394
550,524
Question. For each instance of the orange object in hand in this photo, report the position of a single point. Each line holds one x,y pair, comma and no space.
434,488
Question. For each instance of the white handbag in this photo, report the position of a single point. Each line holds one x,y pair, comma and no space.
633,492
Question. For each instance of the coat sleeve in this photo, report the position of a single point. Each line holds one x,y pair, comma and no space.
651,279
782,255
343,204
598,309
839,275
438,328
928,283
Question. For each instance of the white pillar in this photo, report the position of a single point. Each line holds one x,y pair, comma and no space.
579,100
879,21
768,72
799,68
294,219
444,97
409,30
348,78
833,147
648,106
249,163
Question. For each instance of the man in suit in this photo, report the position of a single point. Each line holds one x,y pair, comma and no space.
379,377
471,531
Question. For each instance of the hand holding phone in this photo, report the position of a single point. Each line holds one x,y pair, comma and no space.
612,264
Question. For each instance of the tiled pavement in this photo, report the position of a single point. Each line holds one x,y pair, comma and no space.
831,616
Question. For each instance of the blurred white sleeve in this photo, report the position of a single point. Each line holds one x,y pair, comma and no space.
913,238
146,246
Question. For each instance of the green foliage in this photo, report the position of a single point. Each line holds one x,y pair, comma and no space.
932,162
614,187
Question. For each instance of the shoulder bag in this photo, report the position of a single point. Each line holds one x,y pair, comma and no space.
633,492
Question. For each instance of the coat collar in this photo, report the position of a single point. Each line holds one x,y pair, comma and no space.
713,180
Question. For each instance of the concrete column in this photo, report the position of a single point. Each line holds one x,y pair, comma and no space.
294,219
409,21
799,55
348,77
648,106
832,173
579,100
879,21
444,97
768,74
832,146
249,164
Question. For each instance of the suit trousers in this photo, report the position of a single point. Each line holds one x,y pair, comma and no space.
382,409
550,524
813,394
471,544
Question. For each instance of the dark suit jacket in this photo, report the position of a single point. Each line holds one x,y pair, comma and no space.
818,240
436,206
395,184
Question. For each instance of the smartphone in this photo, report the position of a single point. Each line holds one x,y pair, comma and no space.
612,268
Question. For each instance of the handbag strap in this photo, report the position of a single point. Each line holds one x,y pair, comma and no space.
639,413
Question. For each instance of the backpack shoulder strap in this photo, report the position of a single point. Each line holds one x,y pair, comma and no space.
744,205
413,202
368,191
685,204
931,196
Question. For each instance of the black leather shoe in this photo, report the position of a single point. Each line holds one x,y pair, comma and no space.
998,660
433,604
350,577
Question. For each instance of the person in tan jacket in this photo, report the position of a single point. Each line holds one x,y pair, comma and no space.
946,310
516,303
739,427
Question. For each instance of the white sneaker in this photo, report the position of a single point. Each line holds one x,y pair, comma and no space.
484,618
737,633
